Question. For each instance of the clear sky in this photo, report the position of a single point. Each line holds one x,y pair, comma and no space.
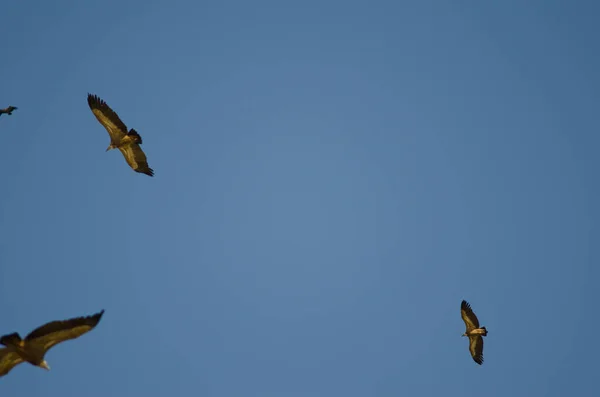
332,179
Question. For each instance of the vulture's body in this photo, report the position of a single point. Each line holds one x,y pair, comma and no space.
128,142
34,347
473,331
8,110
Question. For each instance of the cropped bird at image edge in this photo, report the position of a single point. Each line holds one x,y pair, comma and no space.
34,347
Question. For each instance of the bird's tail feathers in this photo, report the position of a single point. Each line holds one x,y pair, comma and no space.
134,133
11,339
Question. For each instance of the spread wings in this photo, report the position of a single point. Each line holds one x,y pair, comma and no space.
56,332
108,118
8,360
476,348
468,316
135,157
133,153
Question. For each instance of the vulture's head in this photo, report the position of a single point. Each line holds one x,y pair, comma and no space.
111,146
44,365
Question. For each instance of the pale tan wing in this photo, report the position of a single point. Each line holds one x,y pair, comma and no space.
8,360
468,316
108,118
55,332
476,348
135,157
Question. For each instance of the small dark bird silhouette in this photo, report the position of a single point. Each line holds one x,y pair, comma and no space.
8,110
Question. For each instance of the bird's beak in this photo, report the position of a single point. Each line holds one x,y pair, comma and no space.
45,365
108,148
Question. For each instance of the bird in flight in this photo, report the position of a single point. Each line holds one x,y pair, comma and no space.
473,331
8,110
128,142
34,347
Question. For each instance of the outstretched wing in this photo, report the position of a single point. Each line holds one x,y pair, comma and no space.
8,360
56,332
476,348
108,118
135,157
468,316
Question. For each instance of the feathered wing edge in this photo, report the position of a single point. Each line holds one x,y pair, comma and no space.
108,118
470,319
8,360
136,158
476,348
56,332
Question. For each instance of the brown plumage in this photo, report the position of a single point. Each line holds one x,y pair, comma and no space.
473,331
8,110
34,347
127,142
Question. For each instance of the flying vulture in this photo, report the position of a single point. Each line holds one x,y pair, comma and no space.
474,333
8,110
127,142
35,345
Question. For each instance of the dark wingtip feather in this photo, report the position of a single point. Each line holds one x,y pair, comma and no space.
94,101
147,171
95,319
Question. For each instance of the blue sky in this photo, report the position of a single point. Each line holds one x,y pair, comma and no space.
332,179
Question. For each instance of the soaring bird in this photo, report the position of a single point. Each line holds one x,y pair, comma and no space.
474,333
35,345
127,142
8,110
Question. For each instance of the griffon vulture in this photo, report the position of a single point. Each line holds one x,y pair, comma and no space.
8,110
127,142
474,333
34,347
